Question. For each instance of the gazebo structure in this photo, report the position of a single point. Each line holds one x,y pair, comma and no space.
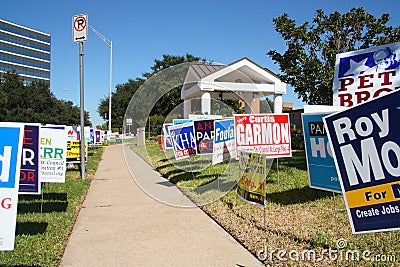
241,80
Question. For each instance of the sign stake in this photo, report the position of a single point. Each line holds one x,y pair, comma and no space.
277,169
41,203
265,212
335,214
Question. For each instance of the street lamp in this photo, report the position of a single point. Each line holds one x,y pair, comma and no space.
109,43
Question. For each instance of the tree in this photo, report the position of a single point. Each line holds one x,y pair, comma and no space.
120,101
34,103
171,99
308,64
123,94
165,104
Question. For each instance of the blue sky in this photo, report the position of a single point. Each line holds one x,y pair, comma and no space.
141,31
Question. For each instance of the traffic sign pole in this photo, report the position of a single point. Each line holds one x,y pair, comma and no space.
82,111
79,34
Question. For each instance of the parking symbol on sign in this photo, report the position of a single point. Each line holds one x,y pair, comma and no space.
80,23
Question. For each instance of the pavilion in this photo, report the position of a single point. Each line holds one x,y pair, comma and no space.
241,80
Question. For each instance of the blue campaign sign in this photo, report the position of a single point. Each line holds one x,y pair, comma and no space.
180,121
321,166
224,146
183,140
167,138
10,155
91,140
366,148
204,130
224,131
29,174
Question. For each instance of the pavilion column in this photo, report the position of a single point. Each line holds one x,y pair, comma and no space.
248,100
277,103
206,103
187,108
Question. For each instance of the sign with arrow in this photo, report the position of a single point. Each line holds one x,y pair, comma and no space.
79,28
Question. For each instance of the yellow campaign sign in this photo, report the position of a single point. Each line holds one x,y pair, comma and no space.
251,184
74,151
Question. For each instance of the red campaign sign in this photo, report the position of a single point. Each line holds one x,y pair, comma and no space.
267,134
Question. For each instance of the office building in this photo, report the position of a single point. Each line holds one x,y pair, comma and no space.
25,50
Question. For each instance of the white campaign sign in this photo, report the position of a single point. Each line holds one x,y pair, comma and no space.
53,154
366,74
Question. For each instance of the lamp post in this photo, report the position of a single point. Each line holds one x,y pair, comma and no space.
109,43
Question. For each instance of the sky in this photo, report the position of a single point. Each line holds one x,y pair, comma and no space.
141,31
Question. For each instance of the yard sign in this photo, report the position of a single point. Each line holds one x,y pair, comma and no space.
366,148
322,172
29,182
224,146
183,140
366,74
267,134
10,162
252,173
53,157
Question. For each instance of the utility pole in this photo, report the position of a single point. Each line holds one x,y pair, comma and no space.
108,43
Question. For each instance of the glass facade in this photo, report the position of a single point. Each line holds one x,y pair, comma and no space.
26,51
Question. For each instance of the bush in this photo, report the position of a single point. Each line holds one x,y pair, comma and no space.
297,138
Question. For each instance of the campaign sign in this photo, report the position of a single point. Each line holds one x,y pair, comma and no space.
267,134
204,117
86,132
10,162
183,140
252,173
104,136
366,148
72,132
53,153
167,138
366,74
97,135
204,130
322,172
74,151
91,136
160,141
29,174
224,146
180,121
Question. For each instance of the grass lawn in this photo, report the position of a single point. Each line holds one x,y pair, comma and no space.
297,221
43,228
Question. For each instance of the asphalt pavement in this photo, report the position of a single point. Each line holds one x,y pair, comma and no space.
134,217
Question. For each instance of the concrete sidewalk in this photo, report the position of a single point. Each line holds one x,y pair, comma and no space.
120,225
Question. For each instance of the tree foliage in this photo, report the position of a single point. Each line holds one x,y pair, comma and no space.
34,103
120,101
123,94
309,61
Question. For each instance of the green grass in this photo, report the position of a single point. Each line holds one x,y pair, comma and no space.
43,228
297,218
